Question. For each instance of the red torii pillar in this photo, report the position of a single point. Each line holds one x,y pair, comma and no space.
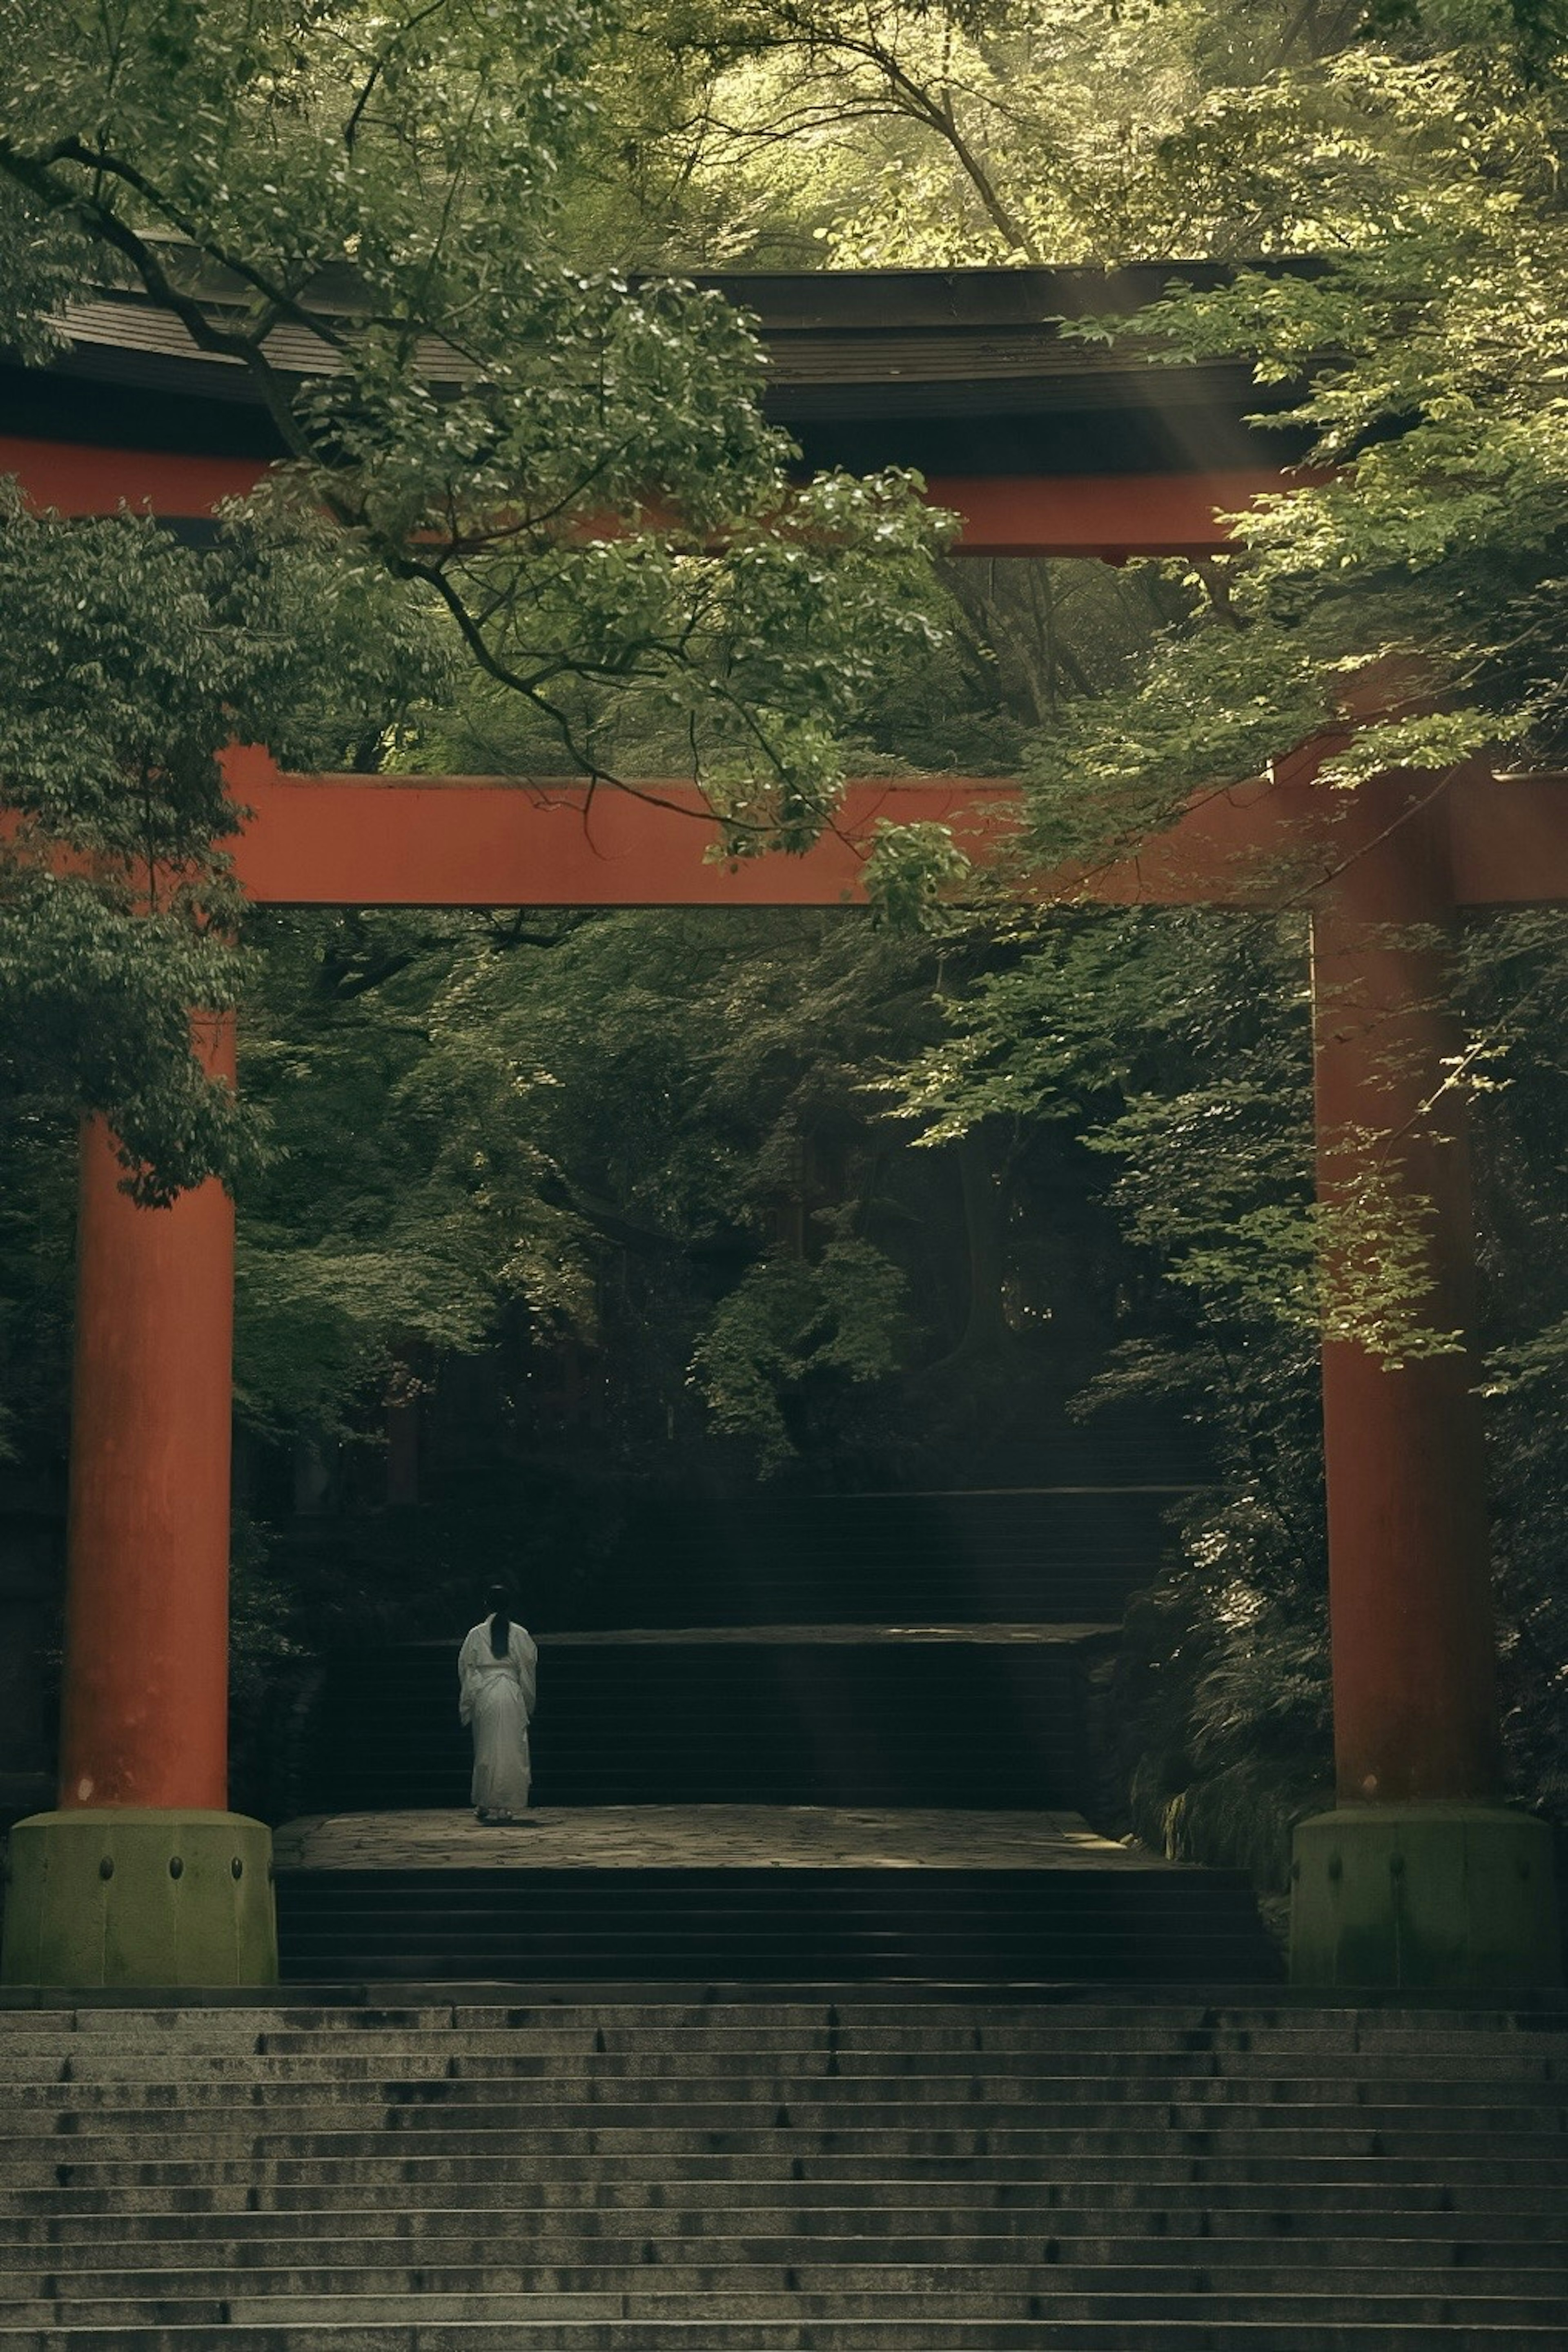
142,1725
1420,1877
142,1876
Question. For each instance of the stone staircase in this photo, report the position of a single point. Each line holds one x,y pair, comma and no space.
1041,1925
455,2170
874,1653
1068,1551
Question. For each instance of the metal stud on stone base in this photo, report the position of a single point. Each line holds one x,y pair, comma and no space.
107,1896
1438,1895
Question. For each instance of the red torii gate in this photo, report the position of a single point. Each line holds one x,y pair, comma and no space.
1420,1877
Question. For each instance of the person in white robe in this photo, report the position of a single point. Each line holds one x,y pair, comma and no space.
497,1677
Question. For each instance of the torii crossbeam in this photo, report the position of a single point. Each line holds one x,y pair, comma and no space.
1419,1876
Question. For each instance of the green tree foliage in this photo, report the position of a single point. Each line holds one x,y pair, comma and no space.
534,1103
533,1098
1517,993
1174,1048
892,133
792,1320
1413,156
646,1144
566,478
576,472
1432,550
126,663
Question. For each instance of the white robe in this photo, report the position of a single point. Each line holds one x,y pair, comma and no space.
496,1699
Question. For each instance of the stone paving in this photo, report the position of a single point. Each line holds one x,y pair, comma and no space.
664,1837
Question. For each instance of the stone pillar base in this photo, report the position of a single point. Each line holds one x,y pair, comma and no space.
111,1896
1439,1896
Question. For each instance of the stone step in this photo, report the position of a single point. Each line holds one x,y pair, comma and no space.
970,1970
1127,1890
837,1886
1097,1904
759,2017
1457,2075
1055,1898
1210,2102
418,2171
877,2306
1496,2106
994,1925
728,2054
506,2136
518,2059
807,2102
1207,2334
1469,2229
965,2191
1161,1962
251,2241
974,2267
999,2283
802,2128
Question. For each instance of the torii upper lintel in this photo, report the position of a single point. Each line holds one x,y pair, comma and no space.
468,841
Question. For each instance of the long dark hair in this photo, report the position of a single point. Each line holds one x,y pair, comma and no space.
500,1602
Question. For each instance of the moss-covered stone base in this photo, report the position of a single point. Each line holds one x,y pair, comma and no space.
1443,1896
101,1896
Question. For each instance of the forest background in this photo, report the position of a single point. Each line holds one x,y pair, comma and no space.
803,1198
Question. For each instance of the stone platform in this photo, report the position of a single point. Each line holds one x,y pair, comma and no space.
681,1837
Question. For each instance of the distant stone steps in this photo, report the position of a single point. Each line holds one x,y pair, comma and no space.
1071,1551
792,1649
704,1722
